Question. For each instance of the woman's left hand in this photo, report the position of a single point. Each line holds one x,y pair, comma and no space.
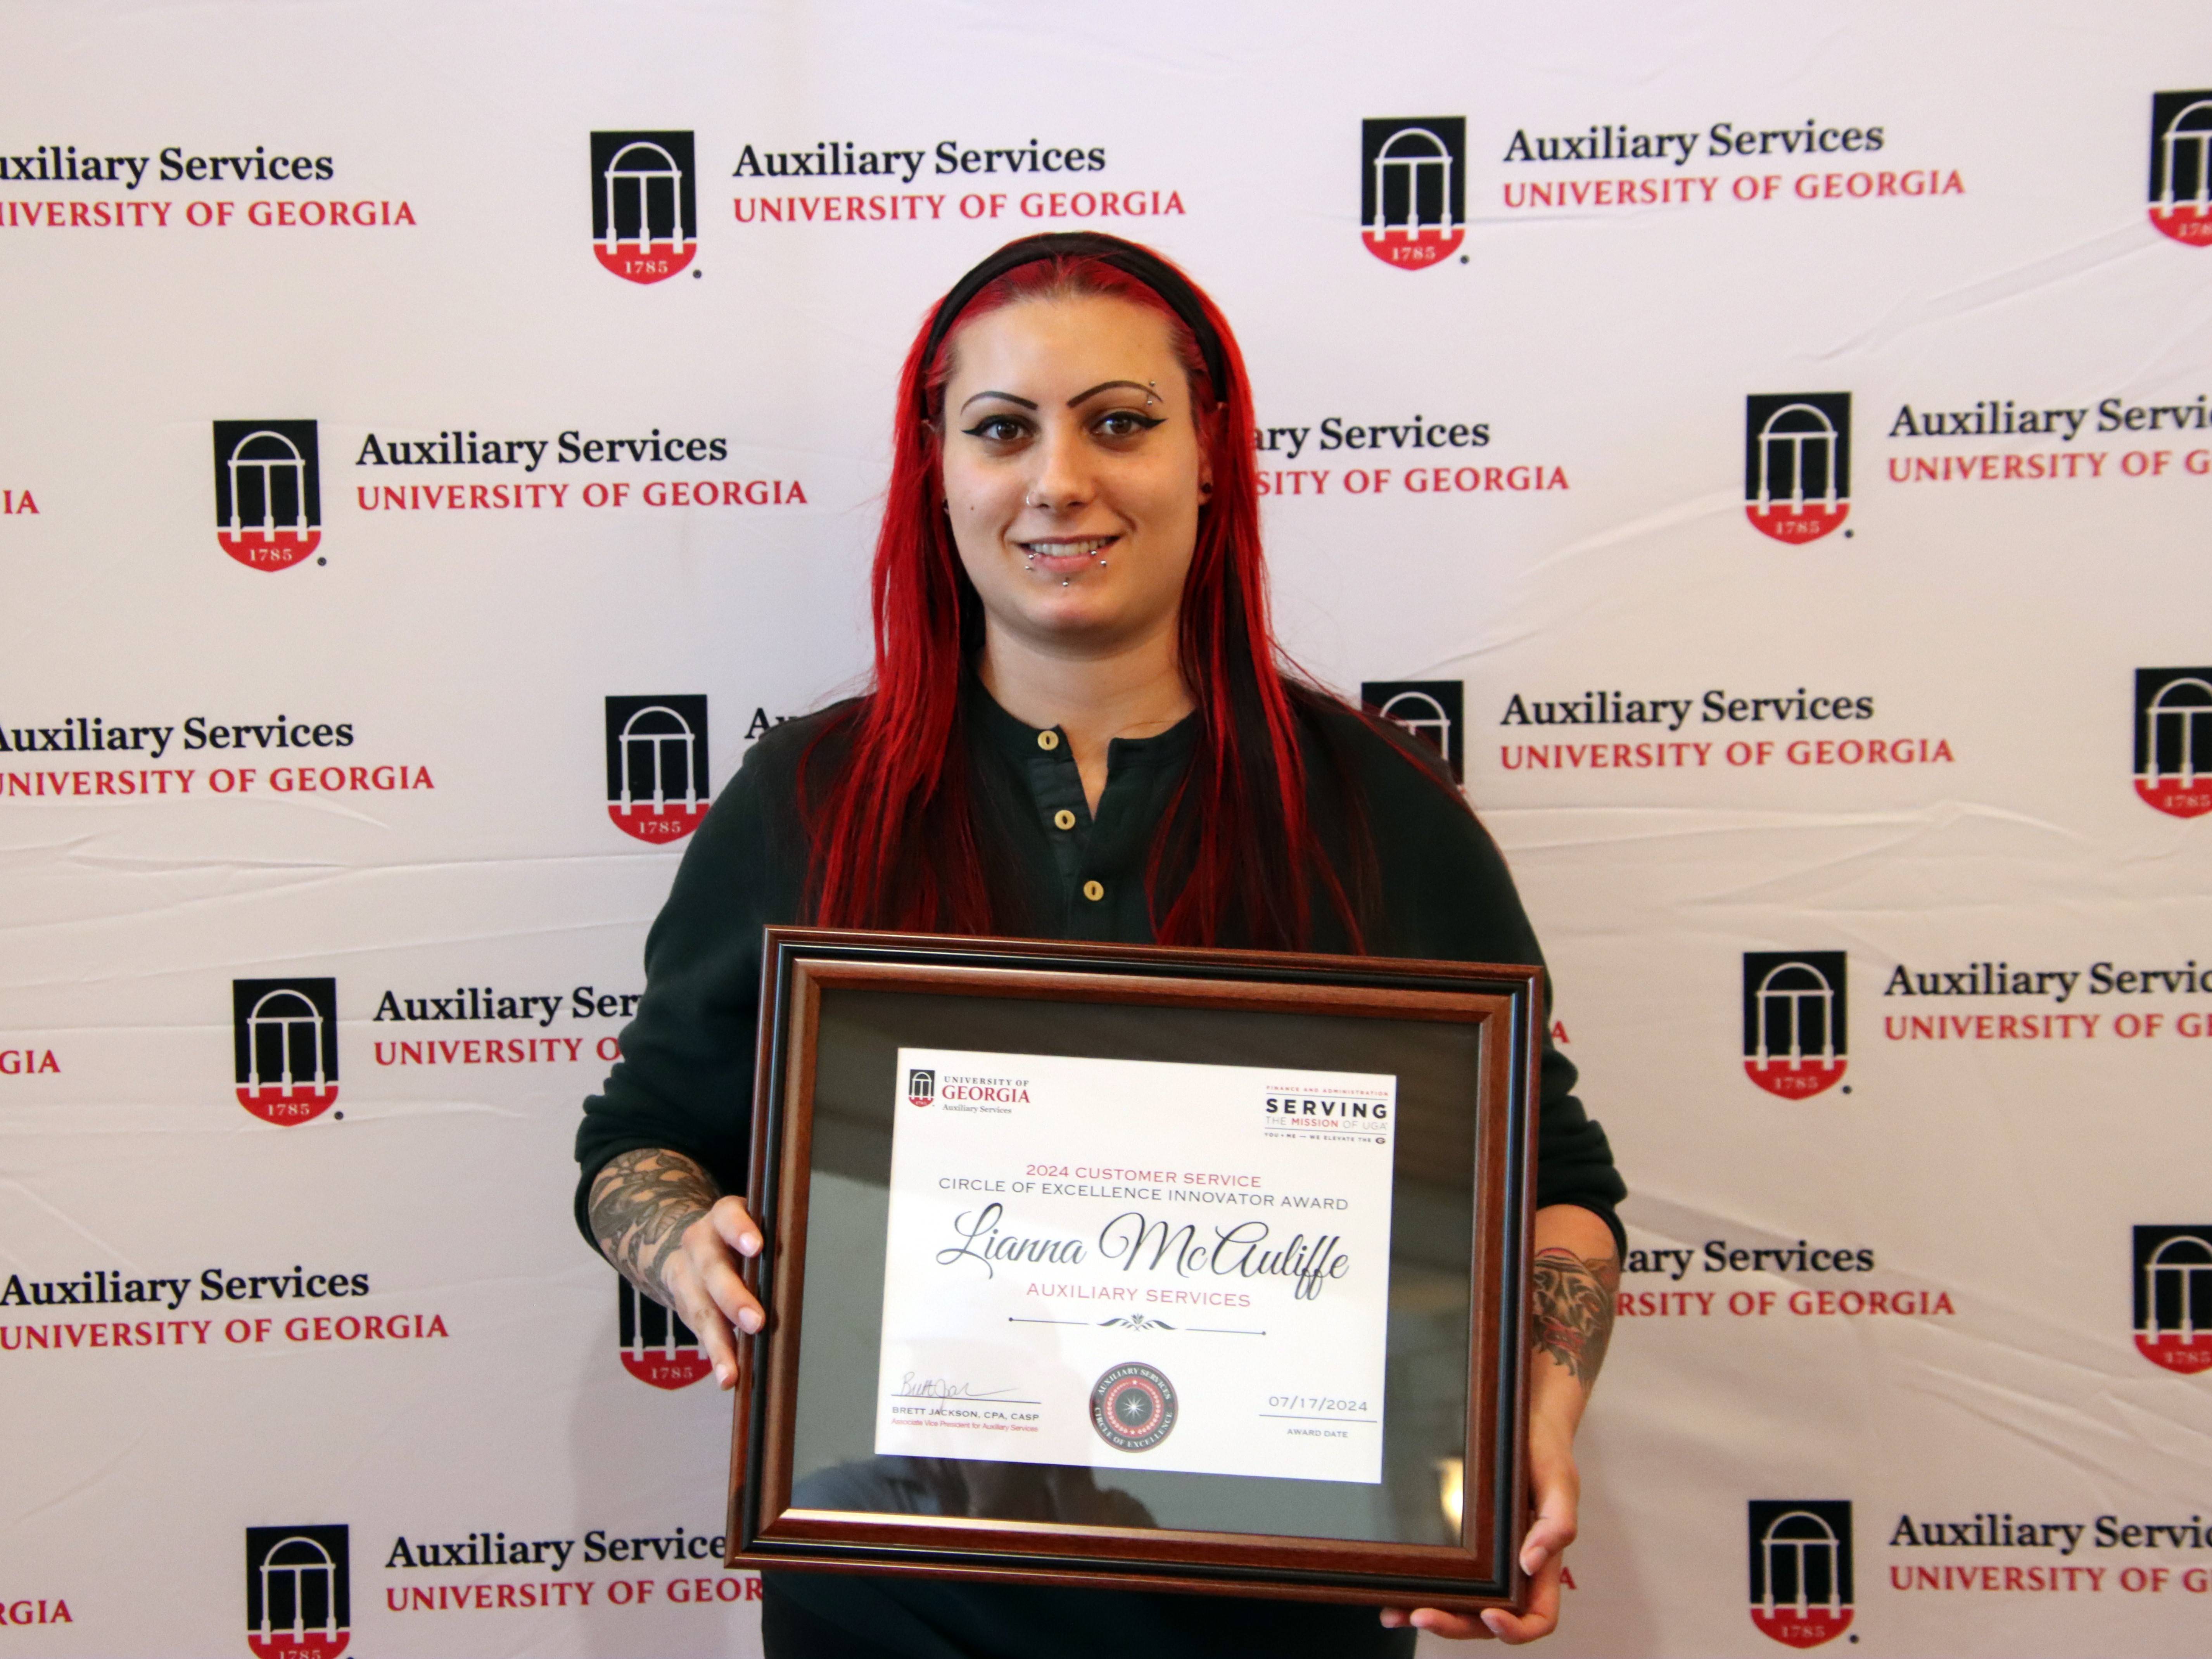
1557,1489
1575,1278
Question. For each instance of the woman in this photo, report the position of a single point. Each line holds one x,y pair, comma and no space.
1078,729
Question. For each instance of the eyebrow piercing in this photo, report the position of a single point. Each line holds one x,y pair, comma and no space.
1153,393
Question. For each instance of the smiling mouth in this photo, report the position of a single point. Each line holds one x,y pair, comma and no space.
1063,554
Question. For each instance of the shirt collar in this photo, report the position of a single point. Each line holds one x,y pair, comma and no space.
1017,740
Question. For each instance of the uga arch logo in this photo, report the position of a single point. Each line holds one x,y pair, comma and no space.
2173,739
2174,1297
656,787
1800,1569
1432,710
657,1347
285,1036
2181,165
1797,463
1794,1024
1413,188
920,1085
299,1592
645,218
268,492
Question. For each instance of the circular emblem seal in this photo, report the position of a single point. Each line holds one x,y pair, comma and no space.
1132,1407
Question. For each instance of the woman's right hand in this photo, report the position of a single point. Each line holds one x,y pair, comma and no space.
661,1221
700,1281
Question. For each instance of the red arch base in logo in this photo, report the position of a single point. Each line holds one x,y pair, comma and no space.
658,825
1796,523
1810,1077
2190,225
1422,247
283,1644
2170,1350
1802,1630
664,1369
301,1103
278,550
649,262
2190,800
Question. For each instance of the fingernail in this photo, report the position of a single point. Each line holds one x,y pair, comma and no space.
1532,1559
722,1375
750,1244
749,1319
1496,1622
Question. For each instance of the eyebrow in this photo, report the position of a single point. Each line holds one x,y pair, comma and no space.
1102,385
1009,396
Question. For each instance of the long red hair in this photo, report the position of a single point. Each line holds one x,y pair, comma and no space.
894,840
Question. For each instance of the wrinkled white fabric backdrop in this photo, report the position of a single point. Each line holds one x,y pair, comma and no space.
1996,248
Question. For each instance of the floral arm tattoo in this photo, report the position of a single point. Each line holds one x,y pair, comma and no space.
640,1204
1574,1298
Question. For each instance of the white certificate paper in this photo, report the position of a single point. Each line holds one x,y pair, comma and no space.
1126,1264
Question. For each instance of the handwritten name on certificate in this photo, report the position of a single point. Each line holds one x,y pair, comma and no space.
1134,1264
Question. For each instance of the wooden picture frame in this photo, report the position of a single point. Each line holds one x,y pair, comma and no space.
1070,997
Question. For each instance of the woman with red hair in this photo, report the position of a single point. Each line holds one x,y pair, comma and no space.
1079,726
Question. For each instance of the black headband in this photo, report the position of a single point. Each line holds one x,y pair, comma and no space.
1148,268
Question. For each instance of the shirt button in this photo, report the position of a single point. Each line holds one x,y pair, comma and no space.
1048,740
1094,891
1063,819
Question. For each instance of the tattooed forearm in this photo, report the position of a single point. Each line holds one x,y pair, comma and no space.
1574,1298
640,1204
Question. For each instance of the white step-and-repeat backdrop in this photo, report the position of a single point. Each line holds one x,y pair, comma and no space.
1769,447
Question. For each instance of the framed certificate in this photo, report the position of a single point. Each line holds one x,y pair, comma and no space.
1133,1266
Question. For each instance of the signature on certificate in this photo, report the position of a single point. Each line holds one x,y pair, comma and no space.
915,1386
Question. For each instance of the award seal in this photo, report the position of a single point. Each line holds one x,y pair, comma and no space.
1132,1407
